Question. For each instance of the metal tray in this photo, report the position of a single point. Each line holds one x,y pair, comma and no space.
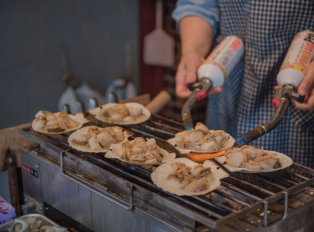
45,221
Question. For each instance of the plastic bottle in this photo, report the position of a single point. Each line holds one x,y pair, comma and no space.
298,57
222,60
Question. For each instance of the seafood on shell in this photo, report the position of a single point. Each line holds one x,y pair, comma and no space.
139,151
97,139
184,177
31,224
191,179
253,159
121,113
19,225
56,123
201,139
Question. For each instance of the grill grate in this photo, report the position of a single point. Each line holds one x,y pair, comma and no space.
239,195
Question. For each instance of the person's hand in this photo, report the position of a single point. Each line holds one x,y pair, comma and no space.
186,74
306,88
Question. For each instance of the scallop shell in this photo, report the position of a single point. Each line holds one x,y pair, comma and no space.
142,118
112,153
83,148
79,118
160,175
19,225
227,144
285,161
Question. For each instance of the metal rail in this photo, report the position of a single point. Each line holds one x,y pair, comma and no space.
97,190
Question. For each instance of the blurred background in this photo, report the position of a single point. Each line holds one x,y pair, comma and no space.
102,42
31,67
94,34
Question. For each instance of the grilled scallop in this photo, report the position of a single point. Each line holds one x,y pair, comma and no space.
105,139
201,139
198,185
178,181
129,119
40,122
196,169
201,126
52,126
118,135
156,155
48,115
249,157
135,111
80,140
151,161
65,122
236,159
141,151
137,150
93,142
120,113
138,158
116,118
90,136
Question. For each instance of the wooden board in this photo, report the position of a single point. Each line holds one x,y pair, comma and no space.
10,138
142,99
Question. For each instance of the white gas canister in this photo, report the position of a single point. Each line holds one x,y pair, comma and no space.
222,60
298,57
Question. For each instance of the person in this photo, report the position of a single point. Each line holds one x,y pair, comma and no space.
244,103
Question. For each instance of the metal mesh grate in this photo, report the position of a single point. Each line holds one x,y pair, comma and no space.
238,196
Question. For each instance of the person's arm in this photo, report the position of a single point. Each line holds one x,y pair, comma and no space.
196,39
196,35
198,24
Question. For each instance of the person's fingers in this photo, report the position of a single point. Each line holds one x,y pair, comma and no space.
191,68
182,91
191,73
181,85
186,73
215,91
308,81
181,67
308,104
277,87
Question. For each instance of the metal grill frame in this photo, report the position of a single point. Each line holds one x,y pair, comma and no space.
167,128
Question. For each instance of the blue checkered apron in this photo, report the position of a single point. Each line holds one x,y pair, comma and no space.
267,28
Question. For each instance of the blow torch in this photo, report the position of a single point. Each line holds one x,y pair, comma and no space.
290,76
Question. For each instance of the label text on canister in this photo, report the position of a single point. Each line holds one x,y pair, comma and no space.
300,52
225,55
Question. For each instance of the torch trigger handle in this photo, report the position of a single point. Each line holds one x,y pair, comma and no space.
195,85
301,99
275,102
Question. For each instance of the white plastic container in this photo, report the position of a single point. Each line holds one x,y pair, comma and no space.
222,60
298,57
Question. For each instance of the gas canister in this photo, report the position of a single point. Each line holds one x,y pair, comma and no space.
221,61
298,57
